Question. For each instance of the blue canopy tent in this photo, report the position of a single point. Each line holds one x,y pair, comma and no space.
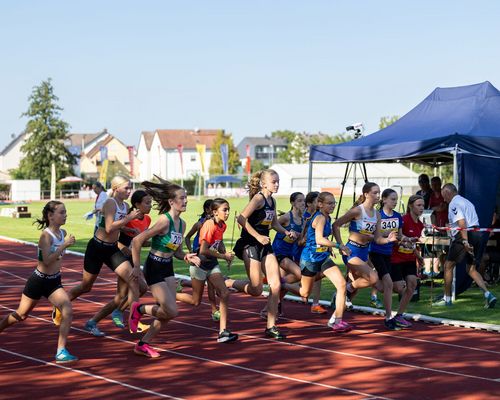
222,179
459,125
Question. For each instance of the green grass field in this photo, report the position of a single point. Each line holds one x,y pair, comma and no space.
469,306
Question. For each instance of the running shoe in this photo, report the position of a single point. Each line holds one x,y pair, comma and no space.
117,317
226,337
392,325
63,356
91,327
56,316
134,317
274,333
490,302
141,328
402,322
348,303
341,327
376,303
442,303
216,316
146,350
318,309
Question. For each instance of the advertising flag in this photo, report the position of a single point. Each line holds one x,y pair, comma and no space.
201,148
224,152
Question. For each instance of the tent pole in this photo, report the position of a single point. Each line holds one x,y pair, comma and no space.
455,182
309,179
346,174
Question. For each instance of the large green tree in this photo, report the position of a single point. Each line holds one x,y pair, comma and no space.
46,133
297,151
216,159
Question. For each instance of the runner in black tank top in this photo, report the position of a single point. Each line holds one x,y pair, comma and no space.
254,246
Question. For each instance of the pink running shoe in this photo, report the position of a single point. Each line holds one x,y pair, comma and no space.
342,327
134,317
402,322
146,350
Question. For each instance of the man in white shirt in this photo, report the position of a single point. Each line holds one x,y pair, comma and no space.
102,196
465,245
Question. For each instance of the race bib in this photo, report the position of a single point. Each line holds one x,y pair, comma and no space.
368,228
321,249
268,219
175,241
407,250
288,239
389,225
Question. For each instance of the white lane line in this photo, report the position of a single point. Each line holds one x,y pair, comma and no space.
331,351
178,353
79,371
363,331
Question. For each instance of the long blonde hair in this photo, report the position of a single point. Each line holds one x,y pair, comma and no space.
254,184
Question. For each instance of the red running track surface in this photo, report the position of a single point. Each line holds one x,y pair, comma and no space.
425,362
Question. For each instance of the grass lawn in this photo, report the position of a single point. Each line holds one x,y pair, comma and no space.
469,305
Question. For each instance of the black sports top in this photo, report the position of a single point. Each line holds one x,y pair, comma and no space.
261,219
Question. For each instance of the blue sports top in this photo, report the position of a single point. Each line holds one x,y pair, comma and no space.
196,240
282,244
388,224
312,251
365,225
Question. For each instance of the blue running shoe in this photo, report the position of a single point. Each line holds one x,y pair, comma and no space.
491,300
117,317
91,327
63,356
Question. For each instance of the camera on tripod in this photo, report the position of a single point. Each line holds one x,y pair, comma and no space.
358,129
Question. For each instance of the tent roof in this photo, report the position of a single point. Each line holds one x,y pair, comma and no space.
223,179
465,117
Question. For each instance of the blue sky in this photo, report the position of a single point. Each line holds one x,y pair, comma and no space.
249,67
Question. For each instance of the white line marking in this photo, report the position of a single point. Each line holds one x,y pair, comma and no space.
327,350
178,353
79,371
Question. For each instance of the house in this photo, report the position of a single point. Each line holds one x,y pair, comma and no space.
91,147
294,177
264,149
172,154
86,146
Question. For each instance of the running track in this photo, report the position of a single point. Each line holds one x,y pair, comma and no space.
426,362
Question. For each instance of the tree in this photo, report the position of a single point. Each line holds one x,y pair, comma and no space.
386,121
297,151
46,133
216,159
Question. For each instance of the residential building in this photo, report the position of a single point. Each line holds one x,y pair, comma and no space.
265,149
159,153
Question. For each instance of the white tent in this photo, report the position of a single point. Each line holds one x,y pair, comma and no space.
294,177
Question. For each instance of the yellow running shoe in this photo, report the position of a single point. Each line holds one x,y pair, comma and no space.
56,316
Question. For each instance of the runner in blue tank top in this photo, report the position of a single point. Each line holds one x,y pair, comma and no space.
315,261
166,243
380,254
311,205
364,228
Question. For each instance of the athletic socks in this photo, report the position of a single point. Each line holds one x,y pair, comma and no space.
349,287
447,298
333,320
486,294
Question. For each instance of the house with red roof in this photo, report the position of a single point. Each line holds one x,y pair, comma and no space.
172,153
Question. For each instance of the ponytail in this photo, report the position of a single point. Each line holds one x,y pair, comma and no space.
161,192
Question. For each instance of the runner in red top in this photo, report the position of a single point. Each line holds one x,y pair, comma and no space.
211,249
405,256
